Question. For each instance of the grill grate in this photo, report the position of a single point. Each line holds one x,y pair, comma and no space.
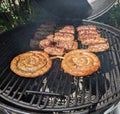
57,91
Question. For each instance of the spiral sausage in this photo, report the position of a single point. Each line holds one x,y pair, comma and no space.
80,63
31,64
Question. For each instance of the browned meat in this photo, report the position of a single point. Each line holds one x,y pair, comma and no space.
47,41
75,45
88,36
31,64
57,45
83,32
50,37
53,50
68,45
93,41
100,47
80,63
63,36
66,29
87,32
44,43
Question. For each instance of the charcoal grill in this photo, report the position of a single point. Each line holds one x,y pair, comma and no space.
57,91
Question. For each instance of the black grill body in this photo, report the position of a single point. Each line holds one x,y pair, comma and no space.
81,9
57,91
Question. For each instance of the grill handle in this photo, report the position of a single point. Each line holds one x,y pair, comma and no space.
45,94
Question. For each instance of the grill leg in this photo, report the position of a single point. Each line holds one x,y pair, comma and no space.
3,111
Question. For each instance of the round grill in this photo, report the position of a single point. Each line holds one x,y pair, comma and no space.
56,90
